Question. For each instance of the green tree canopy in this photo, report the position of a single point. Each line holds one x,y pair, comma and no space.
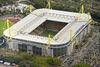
40,3
3,2
28,60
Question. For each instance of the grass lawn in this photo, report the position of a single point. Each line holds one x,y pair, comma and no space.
3,26
47,32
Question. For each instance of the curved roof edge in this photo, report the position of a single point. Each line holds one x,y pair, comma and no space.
37,13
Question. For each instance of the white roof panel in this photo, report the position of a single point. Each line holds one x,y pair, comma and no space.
21,29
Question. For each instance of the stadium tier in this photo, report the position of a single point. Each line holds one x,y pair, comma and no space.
48,32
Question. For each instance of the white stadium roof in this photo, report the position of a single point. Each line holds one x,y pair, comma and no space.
21,29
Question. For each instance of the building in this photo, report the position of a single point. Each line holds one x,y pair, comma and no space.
66,29
22,8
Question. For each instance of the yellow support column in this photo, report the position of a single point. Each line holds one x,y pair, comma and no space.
70,35
47,47
76,41
81,11
89,18
49,39
30,8
49,4
8,27
82,8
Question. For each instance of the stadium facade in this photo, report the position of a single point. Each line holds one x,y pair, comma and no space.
66,29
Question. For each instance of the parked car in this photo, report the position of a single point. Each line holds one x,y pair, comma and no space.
2,41
1,61
7,63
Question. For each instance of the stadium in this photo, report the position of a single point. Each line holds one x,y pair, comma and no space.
48,32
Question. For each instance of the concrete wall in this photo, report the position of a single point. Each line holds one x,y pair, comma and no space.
79,39
49,52
45,52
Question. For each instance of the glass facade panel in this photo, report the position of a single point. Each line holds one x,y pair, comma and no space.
22,47
59,51
36,50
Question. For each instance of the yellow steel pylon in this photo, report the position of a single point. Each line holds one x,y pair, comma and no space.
30,8
70,35
8,27
82,8
49,40
47,47
81,11
49,4
76,41
89,18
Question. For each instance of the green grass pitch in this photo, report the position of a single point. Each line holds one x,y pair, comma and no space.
3,26
49,32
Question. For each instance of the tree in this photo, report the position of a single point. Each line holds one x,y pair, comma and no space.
28,60
22,57
40,61
3,2
26,63
54,62
40,4
57,6
8,59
